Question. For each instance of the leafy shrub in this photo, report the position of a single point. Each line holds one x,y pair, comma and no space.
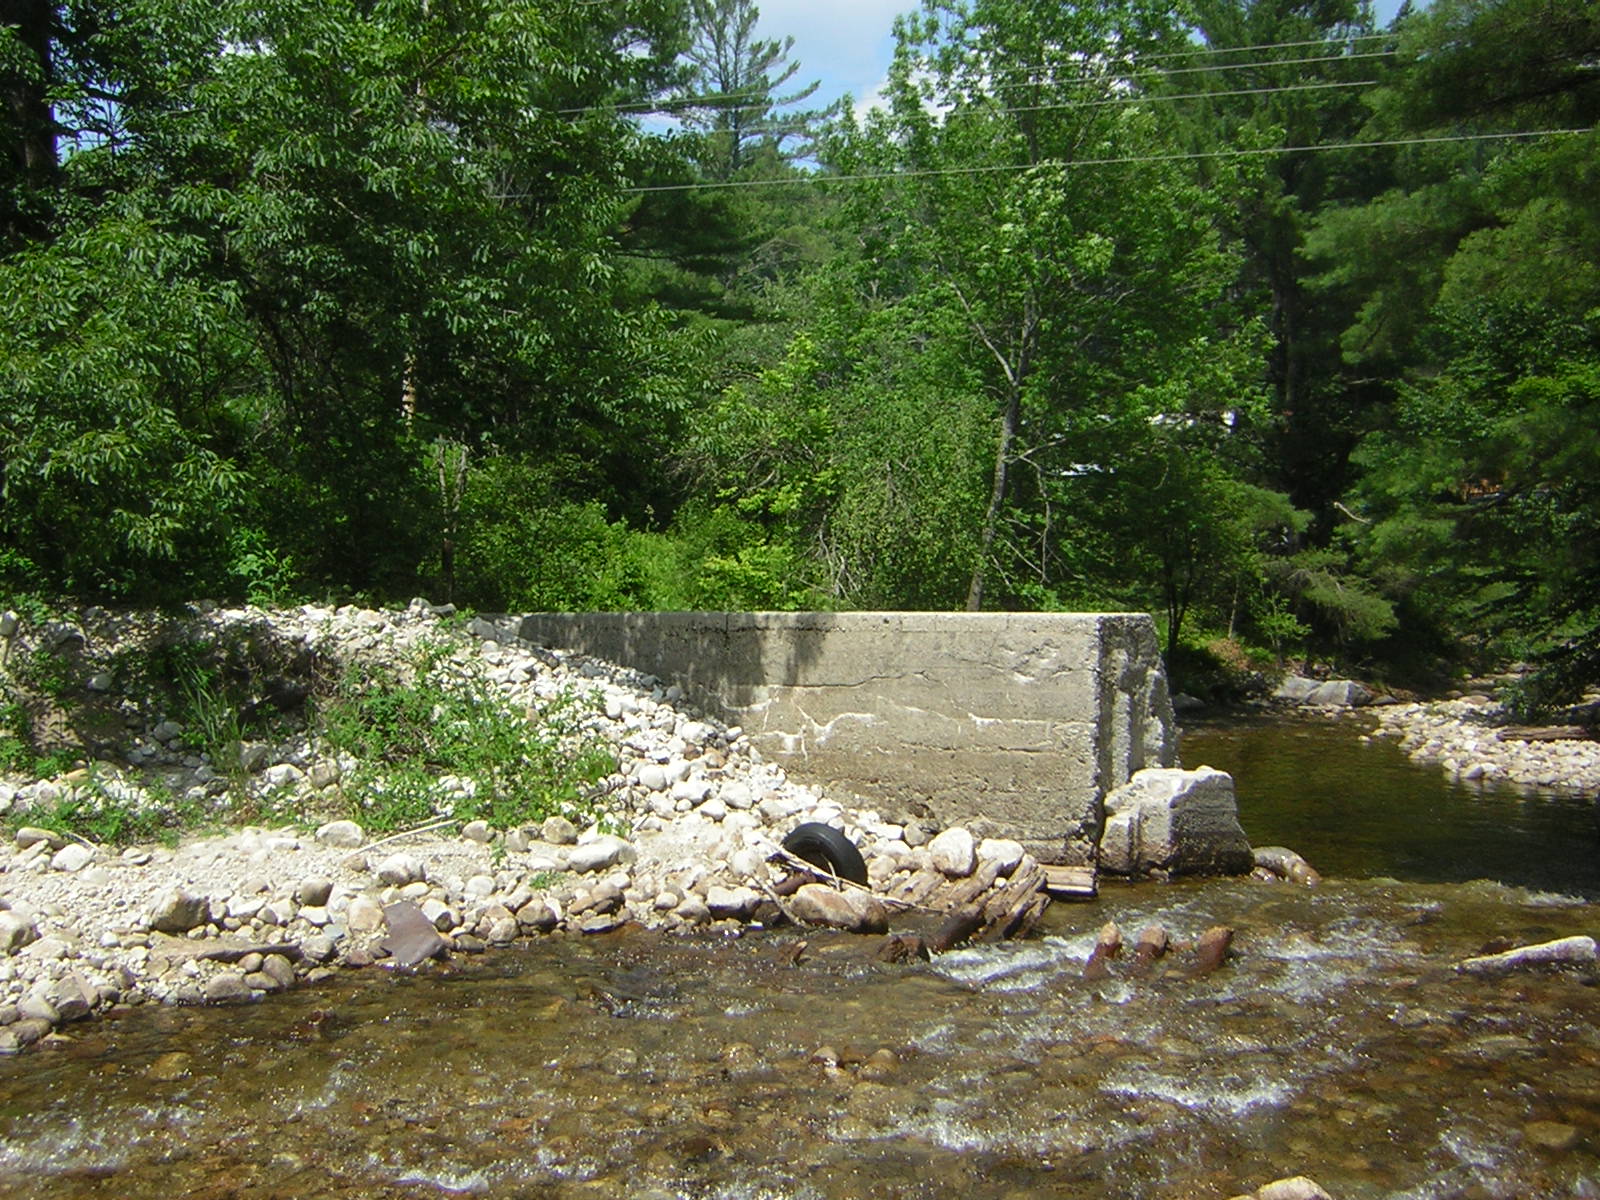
525,547
267,573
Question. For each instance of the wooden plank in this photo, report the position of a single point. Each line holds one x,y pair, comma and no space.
1546,733
1073,883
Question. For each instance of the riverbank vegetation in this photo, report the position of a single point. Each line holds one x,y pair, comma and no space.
1277,322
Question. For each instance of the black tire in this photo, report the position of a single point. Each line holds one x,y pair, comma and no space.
826,847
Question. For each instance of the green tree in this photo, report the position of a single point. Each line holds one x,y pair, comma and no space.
381,223
1282,76
735,94
1026,221
1480,487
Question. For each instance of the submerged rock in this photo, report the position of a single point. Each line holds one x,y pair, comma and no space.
1296,1187
1150,945
1284,863
1551,1135
1107,945
1210,950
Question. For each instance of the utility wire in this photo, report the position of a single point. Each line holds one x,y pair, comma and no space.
1115,100
1327,41
1123,160
1134,68
718,104
1160,97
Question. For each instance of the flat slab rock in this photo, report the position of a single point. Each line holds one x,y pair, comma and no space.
412,937
232,953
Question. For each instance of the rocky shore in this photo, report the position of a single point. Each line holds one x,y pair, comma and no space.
684,832
1475,739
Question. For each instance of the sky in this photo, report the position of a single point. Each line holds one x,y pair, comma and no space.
847,44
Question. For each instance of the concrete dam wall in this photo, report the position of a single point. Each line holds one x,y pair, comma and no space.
1014,724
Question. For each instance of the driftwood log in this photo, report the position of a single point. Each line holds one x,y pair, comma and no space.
941,911
1547,733
983,906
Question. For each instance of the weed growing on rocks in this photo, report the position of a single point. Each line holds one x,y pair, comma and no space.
108,811
47,671
16,742
432,738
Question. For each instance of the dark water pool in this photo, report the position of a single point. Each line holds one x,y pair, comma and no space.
1361,809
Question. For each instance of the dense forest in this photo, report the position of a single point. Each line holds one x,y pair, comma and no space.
1256,314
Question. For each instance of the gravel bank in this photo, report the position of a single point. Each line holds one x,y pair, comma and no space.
1474,739
680,836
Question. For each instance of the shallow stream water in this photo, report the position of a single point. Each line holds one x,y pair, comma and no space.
1362,808
1336,1042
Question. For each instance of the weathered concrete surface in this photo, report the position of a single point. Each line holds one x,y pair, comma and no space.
1013,724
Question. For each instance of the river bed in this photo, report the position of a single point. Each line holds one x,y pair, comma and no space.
1337,1042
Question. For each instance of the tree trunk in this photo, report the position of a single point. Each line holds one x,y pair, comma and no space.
32,145
997,495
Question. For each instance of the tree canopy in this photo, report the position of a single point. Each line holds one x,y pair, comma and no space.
1279,323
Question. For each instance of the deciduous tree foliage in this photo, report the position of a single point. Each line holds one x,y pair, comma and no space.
1020,226
381,296
389,220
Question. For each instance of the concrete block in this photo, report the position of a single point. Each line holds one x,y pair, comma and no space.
1013,724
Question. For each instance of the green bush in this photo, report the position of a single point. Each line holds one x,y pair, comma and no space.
524,546
439,716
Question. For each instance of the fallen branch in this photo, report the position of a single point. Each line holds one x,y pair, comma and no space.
405,833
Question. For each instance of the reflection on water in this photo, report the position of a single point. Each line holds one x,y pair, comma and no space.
1336,1042
1362,809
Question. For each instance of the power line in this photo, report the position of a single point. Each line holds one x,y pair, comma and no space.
1140,98
1192,156
1159,97
1349,37
719,105
1165,72
1274,62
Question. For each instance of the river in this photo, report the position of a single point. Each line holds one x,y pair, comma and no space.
1337,1042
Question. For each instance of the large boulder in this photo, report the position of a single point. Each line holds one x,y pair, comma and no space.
178,911
1333,693
1295,689
1340,693
855,911
1178,822
601,854
16,931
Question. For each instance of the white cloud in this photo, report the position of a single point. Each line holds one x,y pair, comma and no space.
875,97
847,44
